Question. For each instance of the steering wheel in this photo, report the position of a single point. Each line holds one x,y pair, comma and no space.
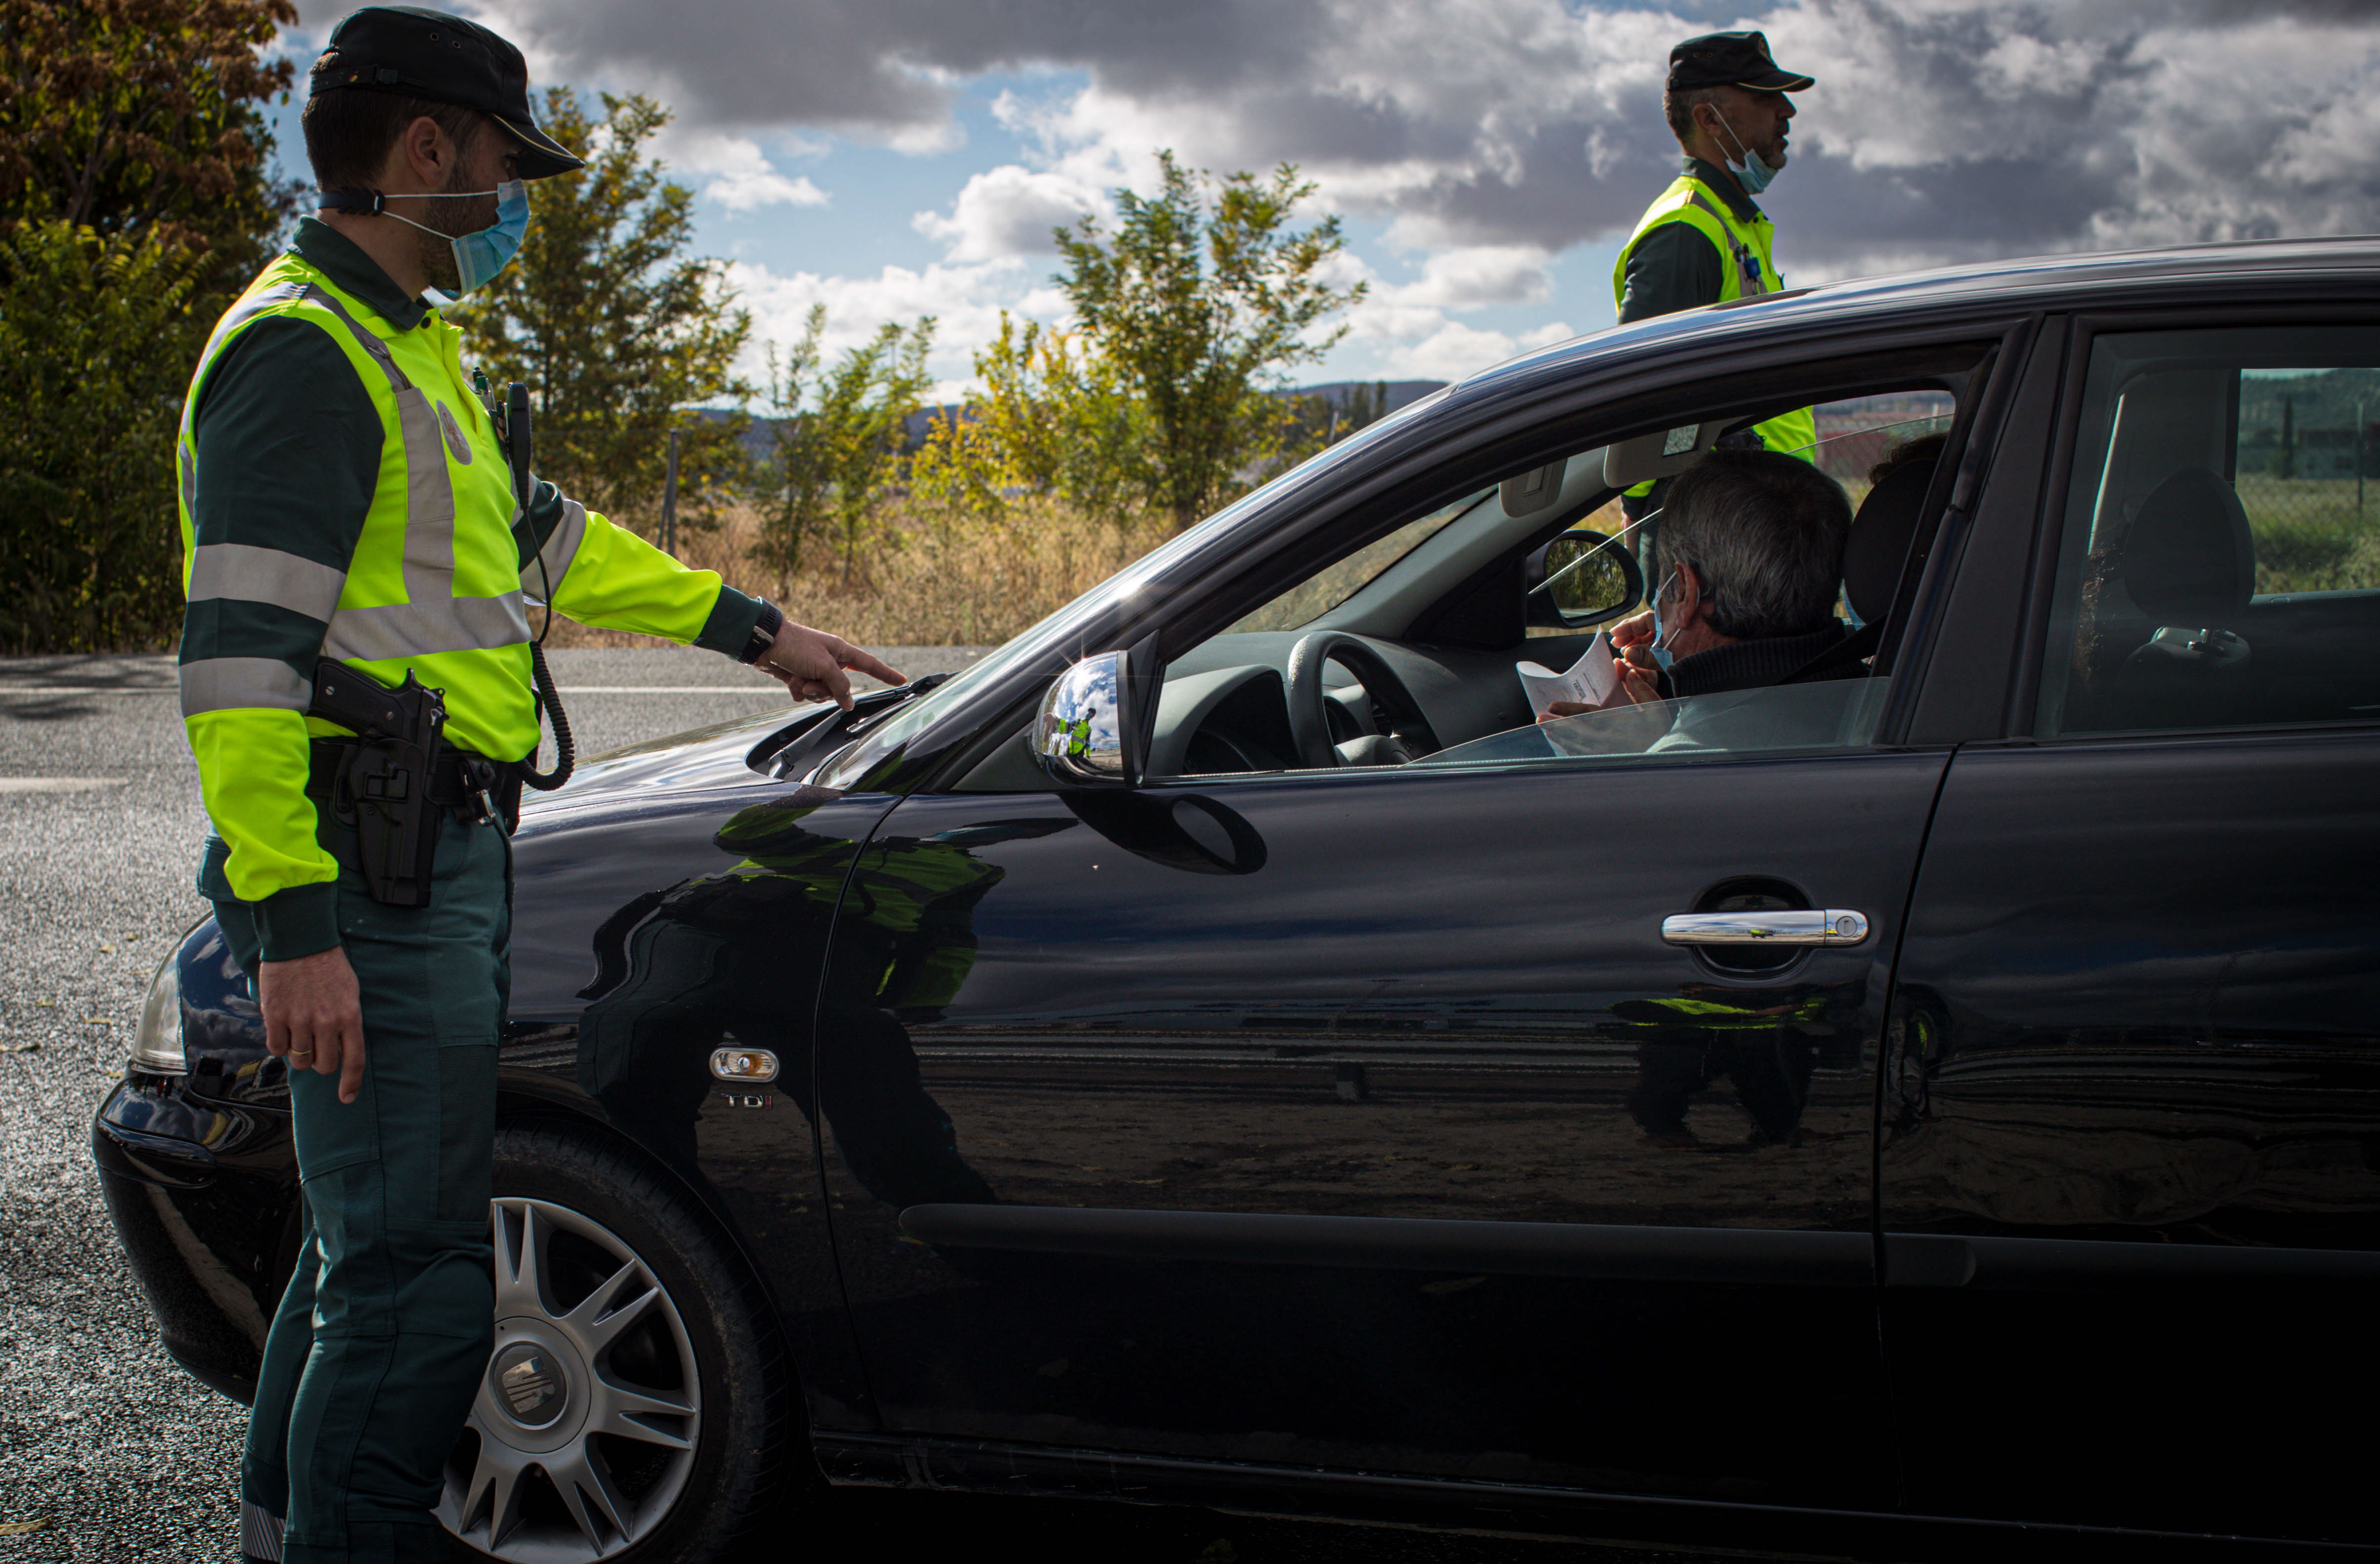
1309,718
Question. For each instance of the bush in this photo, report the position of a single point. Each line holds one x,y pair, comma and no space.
97,337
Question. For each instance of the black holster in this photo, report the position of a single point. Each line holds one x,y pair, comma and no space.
392,781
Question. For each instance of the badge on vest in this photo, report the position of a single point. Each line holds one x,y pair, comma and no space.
454,441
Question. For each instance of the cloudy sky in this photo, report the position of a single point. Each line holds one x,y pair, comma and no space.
896,158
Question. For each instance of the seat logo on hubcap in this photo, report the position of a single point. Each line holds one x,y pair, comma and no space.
530,1385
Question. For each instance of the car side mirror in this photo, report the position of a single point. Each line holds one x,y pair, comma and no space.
1582,578
1085,736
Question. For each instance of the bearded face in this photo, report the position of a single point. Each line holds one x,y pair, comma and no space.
454,214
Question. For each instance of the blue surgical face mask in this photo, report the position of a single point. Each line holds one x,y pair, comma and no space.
1662,655
1752,174
1850,615
481,254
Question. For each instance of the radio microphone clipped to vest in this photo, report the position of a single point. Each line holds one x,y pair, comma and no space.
519,444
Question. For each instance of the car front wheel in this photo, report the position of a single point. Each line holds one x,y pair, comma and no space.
635,1407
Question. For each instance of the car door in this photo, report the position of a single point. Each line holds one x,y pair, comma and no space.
2130,1158
1366,1118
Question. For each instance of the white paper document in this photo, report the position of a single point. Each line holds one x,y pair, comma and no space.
1592,681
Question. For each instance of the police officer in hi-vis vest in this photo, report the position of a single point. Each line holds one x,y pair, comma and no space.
365,543
1704,241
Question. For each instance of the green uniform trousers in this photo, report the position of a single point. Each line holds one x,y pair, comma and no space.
381,1340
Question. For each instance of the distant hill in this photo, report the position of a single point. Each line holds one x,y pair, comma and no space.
1379,399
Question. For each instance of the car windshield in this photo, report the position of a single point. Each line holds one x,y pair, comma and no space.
1319,593
1063,630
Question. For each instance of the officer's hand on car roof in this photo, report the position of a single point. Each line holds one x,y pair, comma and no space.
811,663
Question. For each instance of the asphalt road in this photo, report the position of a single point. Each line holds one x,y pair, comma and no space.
107,1450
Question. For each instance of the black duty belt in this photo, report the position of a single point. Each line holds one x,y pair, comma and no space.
459,778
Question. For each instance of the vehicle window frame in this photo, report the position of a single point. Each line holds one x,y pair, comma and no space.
2082,333
1560,418
1983,395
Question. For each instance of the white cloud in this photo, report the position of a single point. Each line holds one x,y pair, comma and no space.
1489,136
742,176
1474,275
1451,352
1008,213
965,300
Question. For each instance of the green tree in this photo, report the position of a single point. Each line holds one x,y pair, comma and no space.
1055,417
1202,305
123,115
839,437
97,335
618,333
134,205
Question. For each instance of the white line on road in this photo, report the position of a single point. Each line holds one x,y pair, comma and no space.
57,785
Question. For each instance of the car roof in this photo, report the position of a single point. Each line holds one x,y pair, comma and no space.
2264,271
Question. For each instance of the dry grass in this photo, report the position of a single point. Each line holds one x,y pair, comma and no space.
932,581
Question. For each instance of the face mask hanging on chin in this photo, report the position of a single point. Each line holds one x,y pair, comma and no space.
1752,173
483,253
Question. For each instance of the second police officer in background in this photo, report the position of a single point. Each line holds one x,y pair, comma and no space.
1704,241
355,515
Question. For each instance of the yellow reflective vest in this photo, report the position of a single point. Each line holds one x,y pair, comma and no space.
433,583
1747,270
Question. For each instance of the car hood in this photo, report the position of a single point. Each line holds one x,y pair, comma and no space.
699,759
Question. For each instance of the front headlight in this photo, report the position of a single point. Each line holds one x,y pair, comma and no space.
157,1045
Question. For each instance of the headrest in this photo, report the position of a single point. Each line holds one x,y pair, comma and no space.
1878,543
2188,557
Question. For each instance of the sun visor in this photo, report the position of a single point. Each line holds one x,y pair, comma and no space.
1534,489
1665,453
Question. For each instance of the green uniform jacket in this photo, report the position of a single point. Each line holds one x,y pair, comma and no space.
1703,242
344,494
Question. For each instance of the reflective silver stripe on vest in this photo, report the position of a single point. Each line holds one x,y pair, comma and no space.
243,684
434,620
561,548
260,1533
429,489
369,634
1747,259
264,576
314,293
187,461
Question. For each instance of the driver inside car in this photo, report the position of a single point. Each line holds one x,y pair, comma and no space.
1749,556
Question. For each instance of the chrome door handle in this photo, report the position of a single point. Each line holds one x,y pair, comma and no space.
1815,926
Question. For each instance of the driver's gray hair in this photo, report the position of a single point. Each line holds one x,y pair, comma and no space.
1765,532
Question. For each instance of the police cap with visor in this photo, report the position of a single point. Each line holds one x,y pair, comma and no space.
1731,59
424,54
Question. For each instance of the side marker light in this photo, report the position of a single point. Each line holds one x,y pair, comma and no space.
748,1066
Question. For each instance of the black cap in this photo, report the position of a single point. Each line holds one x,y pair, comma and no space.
426,54
1731,59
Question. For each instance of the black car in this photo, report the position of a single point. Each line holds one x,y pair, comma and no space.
1221,1047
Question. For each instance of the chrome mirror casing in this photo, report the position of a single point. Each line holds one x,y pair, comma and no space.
1081,736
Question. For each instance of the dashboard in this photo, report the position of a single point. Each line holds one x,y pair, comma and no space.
1223,708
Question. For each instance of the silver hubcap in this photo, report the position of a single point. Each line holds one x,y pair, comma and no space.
587,1419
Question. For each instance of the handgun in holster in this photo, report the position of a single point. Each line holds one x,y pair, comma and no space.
384,786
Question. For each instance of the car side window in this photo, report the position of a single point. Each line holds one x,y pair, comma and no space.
1432,645
2219,559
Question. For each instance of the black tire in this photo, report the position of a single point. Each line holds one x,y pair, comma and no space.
746,1448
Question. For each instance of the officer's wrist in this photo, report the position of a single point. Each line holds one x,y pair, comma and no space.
299,921
764,633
